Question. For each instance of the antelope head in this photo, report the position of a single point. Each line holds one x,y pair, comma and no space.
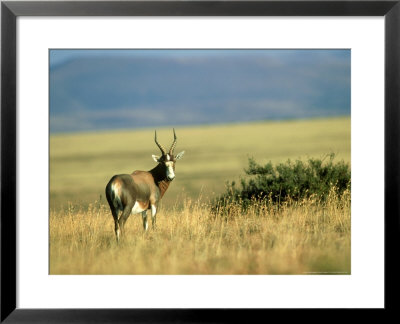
168,159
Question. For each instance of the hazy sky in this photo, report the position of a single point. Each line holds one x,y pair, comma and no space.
110,89
62,56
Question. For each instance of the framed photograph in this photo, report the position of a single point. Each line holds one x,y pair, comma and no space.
197,160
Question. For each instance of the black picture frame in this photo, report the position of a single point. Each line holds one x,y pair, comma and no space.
10,10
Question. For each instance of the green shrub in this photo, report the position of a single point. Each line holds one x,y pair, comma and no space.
287,181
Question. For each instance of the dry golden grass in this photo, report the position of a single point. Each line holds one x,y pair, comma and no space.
298,238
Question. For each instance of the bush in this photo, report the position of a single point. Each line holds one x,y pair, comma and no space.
287,181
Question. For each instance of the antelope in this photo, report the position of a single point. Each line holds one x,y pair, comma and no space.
141,190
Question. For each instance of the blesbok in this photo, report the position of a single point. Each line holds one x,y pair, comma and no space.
141,190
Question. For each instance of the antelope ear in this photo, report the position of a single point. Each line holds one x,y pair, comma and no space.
156,158
179,155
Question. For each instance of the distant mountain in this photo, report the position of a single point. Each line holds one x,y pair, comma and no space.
93,93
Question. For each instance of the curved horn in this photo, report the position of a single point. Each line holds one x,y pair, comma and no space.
158,144
171,150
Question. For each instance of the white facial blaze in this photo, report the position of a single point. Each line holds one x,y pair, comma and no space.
170,170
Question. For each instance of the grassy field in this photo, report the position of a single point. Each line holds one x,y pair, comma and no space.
298,238
302,237
82,164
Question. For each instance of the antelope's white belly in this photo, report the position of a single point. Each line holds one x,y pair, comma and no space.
137,208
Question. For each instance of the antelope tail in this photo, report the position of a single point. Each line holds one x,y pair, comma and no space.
113,196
